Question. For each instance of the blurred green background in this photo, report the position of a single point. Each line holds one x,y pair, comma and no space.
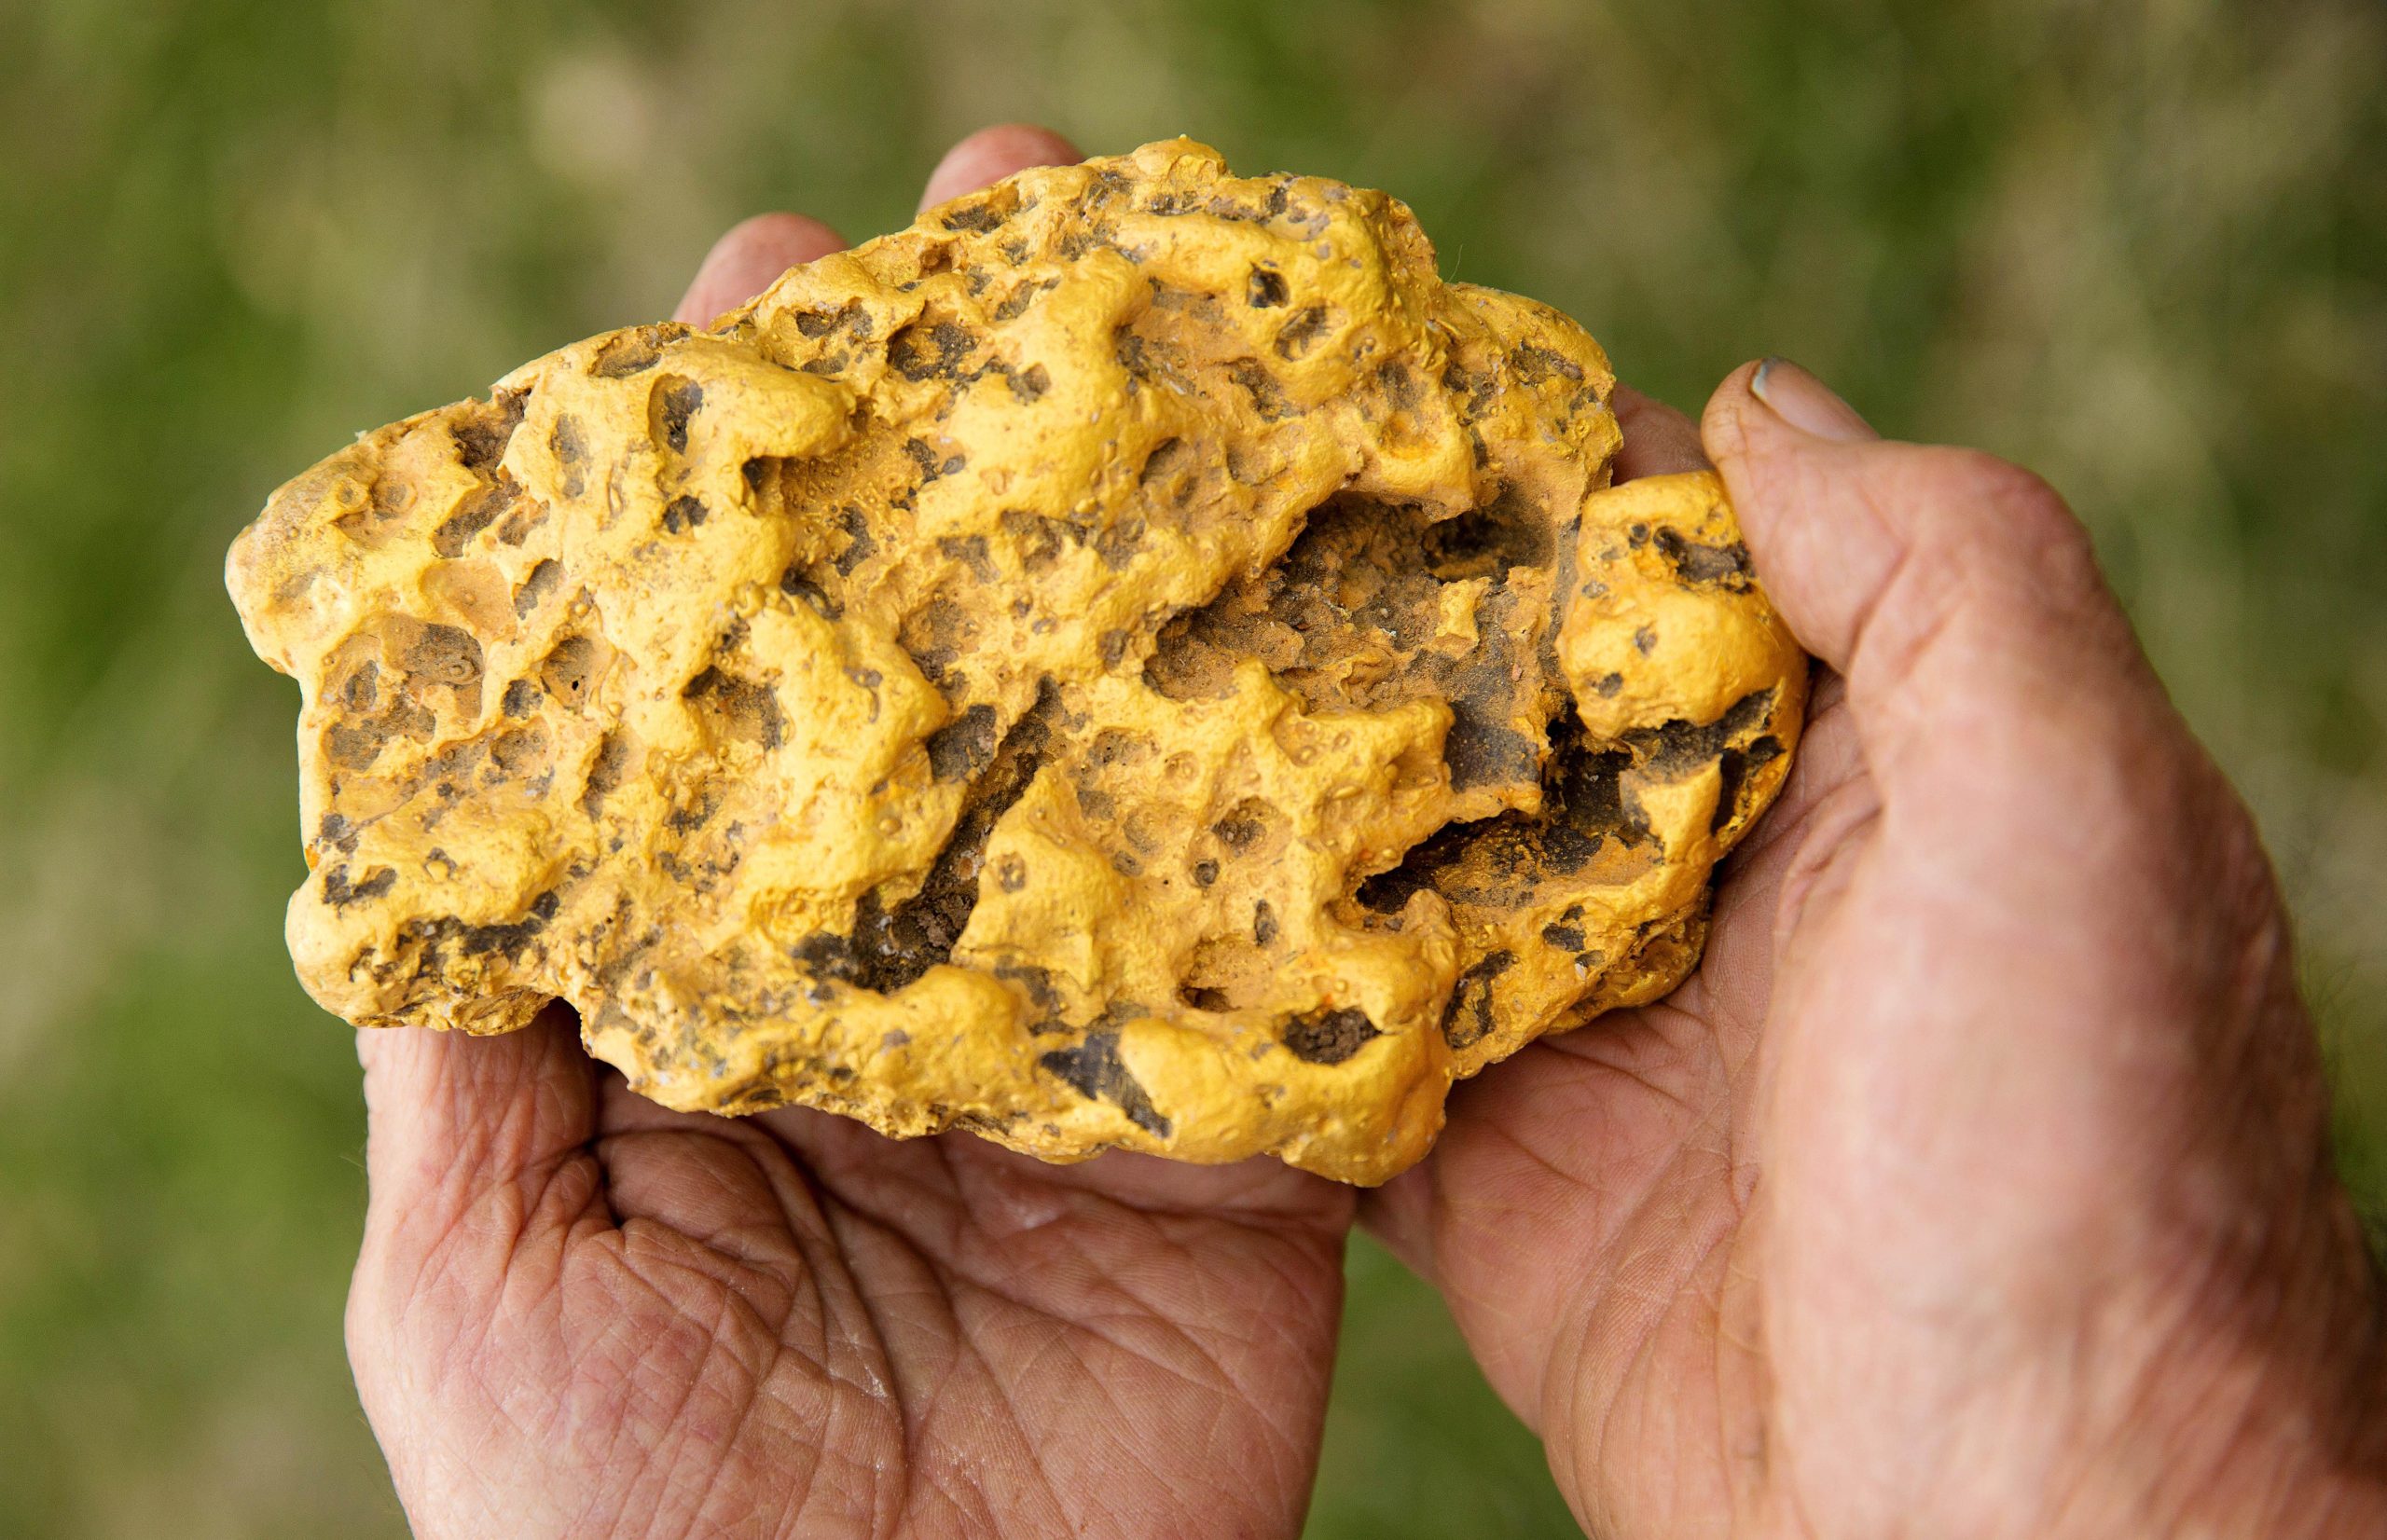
2141,246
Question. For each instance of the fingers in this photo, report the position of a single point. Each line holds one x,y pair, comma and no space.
453,1118
1657,439
1806,403
746,261
1402,1216
990,155
1949,586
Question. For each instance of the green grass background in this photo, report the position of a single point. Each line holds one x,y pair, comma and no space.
2141,246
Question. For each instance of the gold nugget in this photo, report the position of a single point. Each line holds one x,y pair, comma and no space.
1135,659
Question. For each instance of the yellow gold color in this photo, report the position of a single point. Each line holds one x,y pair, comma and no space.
1133,660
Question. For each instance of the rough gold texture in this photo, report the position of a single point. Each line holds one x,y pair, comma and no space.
1133,660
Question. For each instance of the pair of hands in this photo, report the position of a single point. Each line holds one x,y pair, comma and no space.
1977,1183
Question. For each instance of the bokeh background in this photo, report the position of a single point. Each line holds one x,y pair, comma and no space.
2141,246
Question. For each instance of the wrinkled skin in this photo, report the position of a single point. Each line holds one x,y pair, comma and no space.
580,1314
1978,1185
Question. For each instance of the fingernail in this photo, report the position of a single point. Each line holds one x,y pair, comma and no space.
1807,404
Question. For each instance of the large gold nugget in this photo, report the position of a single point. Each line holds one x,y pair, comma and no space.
1133,660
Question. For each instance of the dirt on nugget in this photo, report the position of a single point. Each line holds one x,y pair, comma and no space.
1135,659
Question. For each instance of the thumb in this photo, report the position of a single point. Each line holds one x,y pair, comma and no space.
468,1133
1956,593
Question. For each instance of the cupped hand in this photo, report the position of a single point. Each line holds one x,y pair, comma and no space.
579,1313
1978,1183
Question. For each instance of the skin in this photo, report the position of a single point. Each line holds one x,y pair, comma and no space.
1977,1185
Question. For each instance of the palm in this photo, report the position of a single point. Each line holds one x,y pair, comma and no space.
1980,1091
678,1323
1584,1213
579,1312
1993,1048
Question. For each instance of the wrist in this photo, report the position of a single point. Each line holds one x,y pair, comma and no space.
2267,1417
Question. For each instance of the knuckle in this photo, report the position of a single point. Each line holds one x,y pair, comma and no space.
2017,492
1989,550
2014,509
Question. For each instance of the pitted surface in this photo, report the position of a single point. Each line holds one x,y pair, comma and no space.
1135,659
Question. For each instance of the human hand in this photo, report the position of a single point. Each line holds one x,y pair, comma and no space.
1978,1183
580,1314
